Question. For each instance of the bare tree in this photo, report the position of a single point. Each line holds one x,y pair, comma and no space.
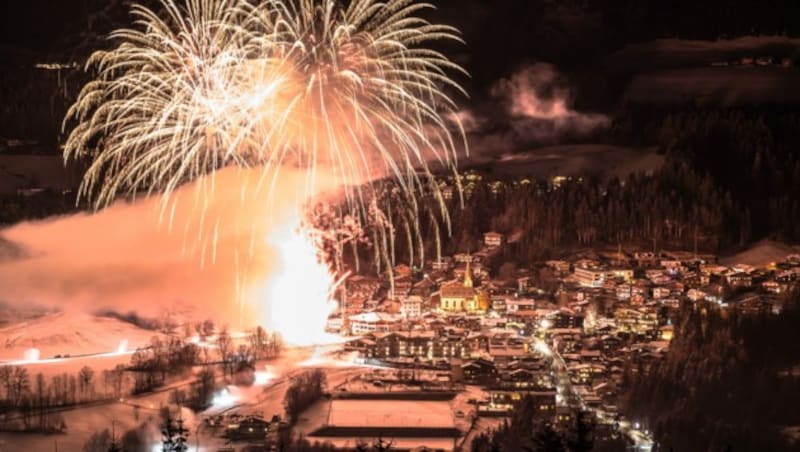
5,380
225,348
55,390
258,341
40,393
117,379
73,389
98,442
245,358
107,379
20,384
159,351
203,389
85,376
381,445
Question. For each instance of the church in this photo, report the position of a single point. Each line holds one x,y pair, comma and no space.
461,296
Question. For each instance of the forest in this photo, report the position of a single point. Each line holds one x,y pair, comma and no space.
730,178
728,382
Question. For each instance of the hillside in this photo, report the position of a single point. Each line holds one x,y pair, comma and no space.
69,333
576,159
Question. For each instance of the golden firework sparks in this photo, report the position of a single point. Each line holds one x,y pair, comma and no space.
353,89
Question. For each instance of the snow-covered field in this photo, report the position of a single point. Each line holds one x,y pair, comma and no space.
95,342
70,334
577,160
394,413
264,398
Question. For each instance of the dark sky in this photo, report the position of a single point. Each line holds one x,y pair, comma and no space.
501,34
550,50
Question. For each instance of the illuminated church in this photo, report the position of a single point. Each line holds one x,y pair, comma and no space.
458,296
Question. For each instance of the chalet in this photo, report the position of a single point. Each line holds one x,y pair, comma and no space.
371,322
584,374
696,294
772,286
623,273
591,356
564,417
645,259
661,292
566,318
492,239
442,264
499,303
566,340
525,379
411,306
364,345
504,401
520,304
249,429
402,286
449,346
610,345
477,344
635,320
740,279
447,192
590,277
507,348
479,371
559,267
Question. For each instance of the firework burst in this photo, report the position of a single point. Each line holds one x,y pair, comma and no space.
349,88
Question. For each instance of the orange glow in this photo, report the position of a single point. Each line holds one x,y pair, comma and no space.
217,263
297,295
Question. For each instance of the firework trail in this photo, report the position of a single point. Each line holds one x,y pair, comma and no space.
349,88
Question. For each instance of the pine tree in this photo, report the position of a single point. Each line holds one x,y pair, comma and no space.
581,438
546,439
181,437
167,433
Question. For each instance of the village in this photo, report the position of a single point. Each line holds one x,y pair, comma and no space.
569,333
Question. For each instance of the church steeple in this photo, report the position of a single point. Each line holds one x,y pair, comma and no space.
468,273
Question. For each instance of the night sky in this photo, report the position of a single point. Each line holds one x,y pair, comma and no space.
569,51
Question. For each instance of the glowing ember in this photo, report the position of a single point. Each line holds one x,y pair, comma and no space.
298,294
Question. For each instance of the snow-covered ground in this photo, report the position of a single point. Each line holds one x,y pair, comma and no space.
70,334
390,413
264,398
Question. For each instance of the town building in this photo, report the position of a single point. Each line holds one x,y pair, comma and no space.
492,239
373,322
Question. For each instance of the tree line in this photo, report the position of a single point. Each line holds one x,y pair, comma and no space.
728,381
529,432
31,404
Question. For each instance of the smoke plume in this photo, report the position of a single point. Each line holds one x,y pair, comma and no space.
532,107
199,255
539,103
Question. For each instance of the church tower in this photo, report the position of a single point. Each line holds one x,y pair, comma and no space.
468,274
